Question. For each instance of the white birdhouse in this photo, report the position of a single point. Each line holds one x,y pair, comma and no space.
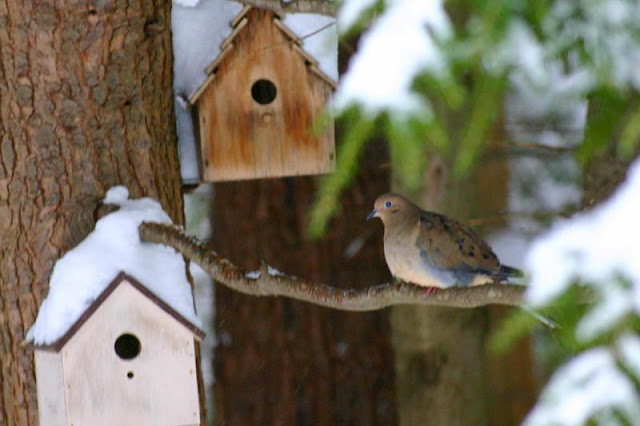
128,360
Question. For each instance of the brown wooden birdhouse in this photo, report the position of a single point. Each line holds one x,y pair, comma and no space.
128,360
259,109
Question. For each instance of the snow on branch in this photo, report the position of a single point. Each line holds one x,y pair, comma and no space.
322,7
266,282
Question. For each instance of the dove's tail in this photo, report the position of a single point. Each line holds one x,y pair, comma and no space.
503,275
508,274
508,271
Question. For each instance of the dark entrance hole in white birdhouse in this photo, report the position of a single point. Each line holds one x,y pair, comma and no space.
127,346
130,374
263,91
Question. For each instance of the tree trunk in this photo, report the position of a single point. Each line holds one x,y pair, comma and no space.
86,103
512,385
284,362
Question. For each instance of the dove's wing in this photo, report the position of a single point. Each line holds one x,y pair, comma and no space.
446,244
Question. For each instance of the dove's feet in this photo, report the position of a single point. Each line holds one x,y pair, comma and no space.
431,290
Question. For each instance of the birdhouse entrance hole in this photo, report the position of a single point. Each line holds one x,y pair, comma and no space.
277,125
263,91
127,346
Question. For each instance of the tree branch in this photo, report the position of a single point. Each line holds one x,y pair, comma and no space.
323,7
268,282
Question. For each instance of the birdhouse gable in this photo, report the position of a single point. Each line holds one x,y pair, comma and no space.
129,359
127,280
238,24
259,106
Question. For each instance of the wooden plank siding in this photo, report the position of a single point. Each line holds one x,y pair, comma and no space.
241,138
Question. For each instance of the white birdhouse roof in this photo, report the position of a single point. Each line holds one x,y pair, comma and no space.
121,278
238,24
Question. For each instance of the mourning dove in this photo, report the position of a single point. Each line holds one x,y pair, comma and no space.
432,250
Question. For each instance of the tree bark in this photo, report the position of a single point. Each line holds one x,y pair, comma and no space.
85,103
284,362
512,386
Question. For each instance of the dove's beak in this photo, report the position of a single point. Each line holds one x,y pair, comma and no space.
374,213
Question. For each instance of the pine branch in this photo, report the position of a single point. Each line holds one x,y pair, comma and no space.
322,7
268,283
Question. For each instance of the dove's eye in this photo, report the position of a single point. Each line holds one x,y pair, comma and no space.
387,204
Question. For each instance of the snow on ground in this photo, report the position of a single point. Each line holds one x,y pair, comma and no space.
81,275
198,29
399,45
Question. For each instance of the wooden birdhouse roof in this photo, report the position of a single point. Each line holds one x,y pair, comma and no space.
238,24
117,281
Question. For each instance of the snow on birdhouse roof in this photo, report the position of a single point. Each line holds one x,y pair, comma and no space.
83,273
121,278
238,23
